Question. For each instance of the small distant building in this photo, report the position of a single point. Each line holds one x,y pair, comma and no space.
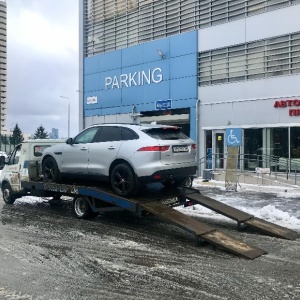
53,134
3,76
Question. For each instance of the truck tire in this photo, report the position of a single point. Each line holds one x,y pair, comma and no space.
50,170
82,208
188,181
8,195
123,180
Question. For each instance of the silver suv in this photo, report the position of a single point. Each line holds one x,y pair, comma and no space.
126,155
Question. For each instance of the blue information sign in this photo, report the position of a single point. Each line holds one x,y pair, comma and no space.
163,104
233,137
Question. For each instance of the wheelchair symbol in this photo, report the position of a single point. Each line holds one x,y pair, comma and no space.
232,139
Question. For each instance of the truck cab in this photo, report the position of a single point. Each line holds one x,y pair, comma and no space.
22,165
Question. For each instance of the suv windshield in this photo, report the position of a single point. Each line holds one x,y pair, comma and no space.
166,133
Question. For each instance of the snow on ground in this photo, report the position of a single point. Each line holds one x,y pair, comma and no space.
279,205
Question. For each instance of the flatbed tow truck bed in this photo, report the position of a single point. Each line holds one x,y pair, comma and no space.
160,202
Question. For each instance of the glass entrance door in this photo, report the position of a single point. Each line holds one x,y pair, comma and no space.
219,147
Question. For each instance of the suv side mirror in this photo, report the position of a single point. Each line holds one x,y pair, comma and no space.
70,141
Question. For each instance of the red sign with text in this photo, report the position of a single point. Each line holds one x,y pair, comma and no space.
294,104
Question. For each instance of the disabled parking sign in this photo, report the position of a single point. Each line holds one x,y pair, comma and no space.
233,137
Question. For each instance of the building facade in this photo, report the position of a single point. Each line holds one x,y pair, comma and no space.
3,47
226,71
54,133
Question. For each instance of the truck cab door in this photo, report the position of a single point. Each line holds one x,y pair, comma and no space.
12,169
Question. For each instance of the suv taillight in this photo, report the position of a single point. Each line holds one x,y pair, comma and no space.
155,148
194,146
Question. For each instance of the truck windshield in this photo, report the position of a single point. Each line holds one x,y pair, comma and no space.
14,158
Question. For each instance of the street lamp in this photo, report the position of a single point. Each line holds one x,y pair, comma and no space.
68,114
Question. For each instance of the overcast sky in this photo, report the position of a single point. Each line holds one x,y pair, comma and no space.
42,64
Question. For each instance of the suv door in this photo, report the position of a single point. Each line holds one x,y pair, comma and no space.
104,150
75,155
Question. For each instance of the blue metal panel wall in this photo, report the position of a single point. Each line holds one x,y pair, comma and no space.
116,77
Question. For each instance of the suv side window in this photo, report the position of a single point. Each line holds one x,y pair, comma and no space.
14,158
86,136
110,133
128,134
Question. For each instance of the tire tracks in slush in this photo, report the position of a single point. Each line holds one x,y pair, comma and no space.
49,255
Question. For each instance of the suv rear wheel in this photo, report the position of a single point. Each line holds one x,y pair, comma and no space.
123,180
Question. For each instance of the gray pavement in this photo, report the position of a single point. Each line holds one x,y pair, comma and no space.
47,254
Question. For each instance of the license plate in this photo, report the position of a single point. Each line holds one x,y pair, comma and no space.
177,149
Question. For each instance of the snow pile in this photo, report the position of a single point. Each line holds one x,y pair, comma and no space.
272,214
276,204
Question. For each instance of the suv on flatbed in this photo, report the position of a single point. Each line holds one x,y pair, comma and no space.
125,155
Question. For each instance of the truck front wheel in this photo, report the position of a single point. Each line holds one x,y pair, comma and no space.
7,192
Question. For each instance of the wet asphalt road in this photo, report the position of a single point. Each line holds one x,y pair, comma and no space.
46,253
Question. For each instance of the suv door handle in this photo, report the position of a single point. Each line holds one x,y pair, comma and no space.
111,148
84,148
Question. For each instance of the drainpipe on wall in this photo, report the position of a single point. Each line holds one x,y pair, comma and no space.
198,137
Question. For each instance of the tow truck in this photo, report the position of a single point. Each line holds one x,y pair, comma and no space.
21,176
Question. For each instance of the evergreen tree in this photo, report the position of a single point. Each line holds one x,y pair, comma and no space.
40,133
17,135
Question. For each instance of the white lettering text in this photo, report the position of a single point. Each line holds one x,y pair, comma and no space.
134,79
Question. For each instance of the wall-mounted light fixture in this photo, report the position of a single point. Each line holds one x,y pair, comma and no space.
161,54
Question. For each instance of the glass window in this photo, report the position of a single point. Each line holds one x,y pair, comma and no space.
167,133
275,4
255,7
295,142
279,145
271,57
256,60
86,136
38,150
208,149
110,133
14,158
147,20
237,63
253,143
128,134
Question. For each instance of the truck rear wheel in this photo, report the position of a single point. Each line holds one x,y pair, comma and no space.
82,208
7,192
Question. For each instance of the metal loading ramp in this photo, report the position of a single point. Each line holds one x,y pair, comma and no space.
243,219
203,231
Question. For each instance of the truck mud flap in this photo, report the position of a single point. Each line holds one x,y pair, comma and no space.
243,219
203,231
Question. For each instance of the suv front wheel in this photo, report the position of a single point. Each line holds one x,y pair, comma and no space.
123,180
50,170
